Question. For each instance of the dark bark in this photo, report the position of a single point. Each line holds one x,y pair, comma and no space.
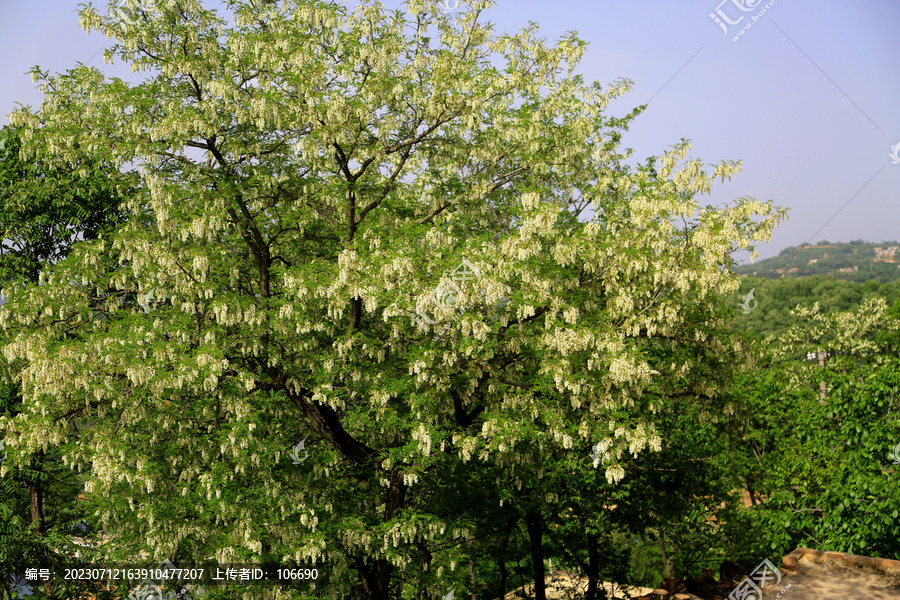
593,567
472,575
501,555
375,577
37,507
255,242
751,491
668,571
535,526
36,494
38,516
422,593
356,310
323,419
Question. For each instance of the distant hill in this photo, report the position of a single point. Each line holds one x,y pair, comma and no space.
856,261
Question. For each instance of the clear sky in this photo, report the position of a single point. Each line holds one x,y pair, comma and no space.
808,97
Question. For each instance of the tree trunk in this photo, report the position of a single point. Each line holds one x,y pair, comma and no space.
535,534
501,555
36,493
751,491
375,577
668,567
37,507
472,567
593,570
501,565
421,594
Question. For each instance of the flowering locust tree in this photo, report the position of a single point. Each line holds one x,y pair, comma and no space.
359,257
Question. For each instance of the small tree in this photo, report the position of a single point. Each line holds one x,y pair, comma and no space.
819,469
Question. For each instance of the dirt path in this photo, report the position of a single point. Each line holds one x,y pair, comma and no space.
834,581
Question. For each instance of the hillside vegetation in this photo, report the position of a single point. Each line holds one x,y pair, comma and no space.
857,261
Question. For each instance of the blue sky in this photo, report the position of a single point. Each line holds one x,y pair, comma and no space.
808,97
